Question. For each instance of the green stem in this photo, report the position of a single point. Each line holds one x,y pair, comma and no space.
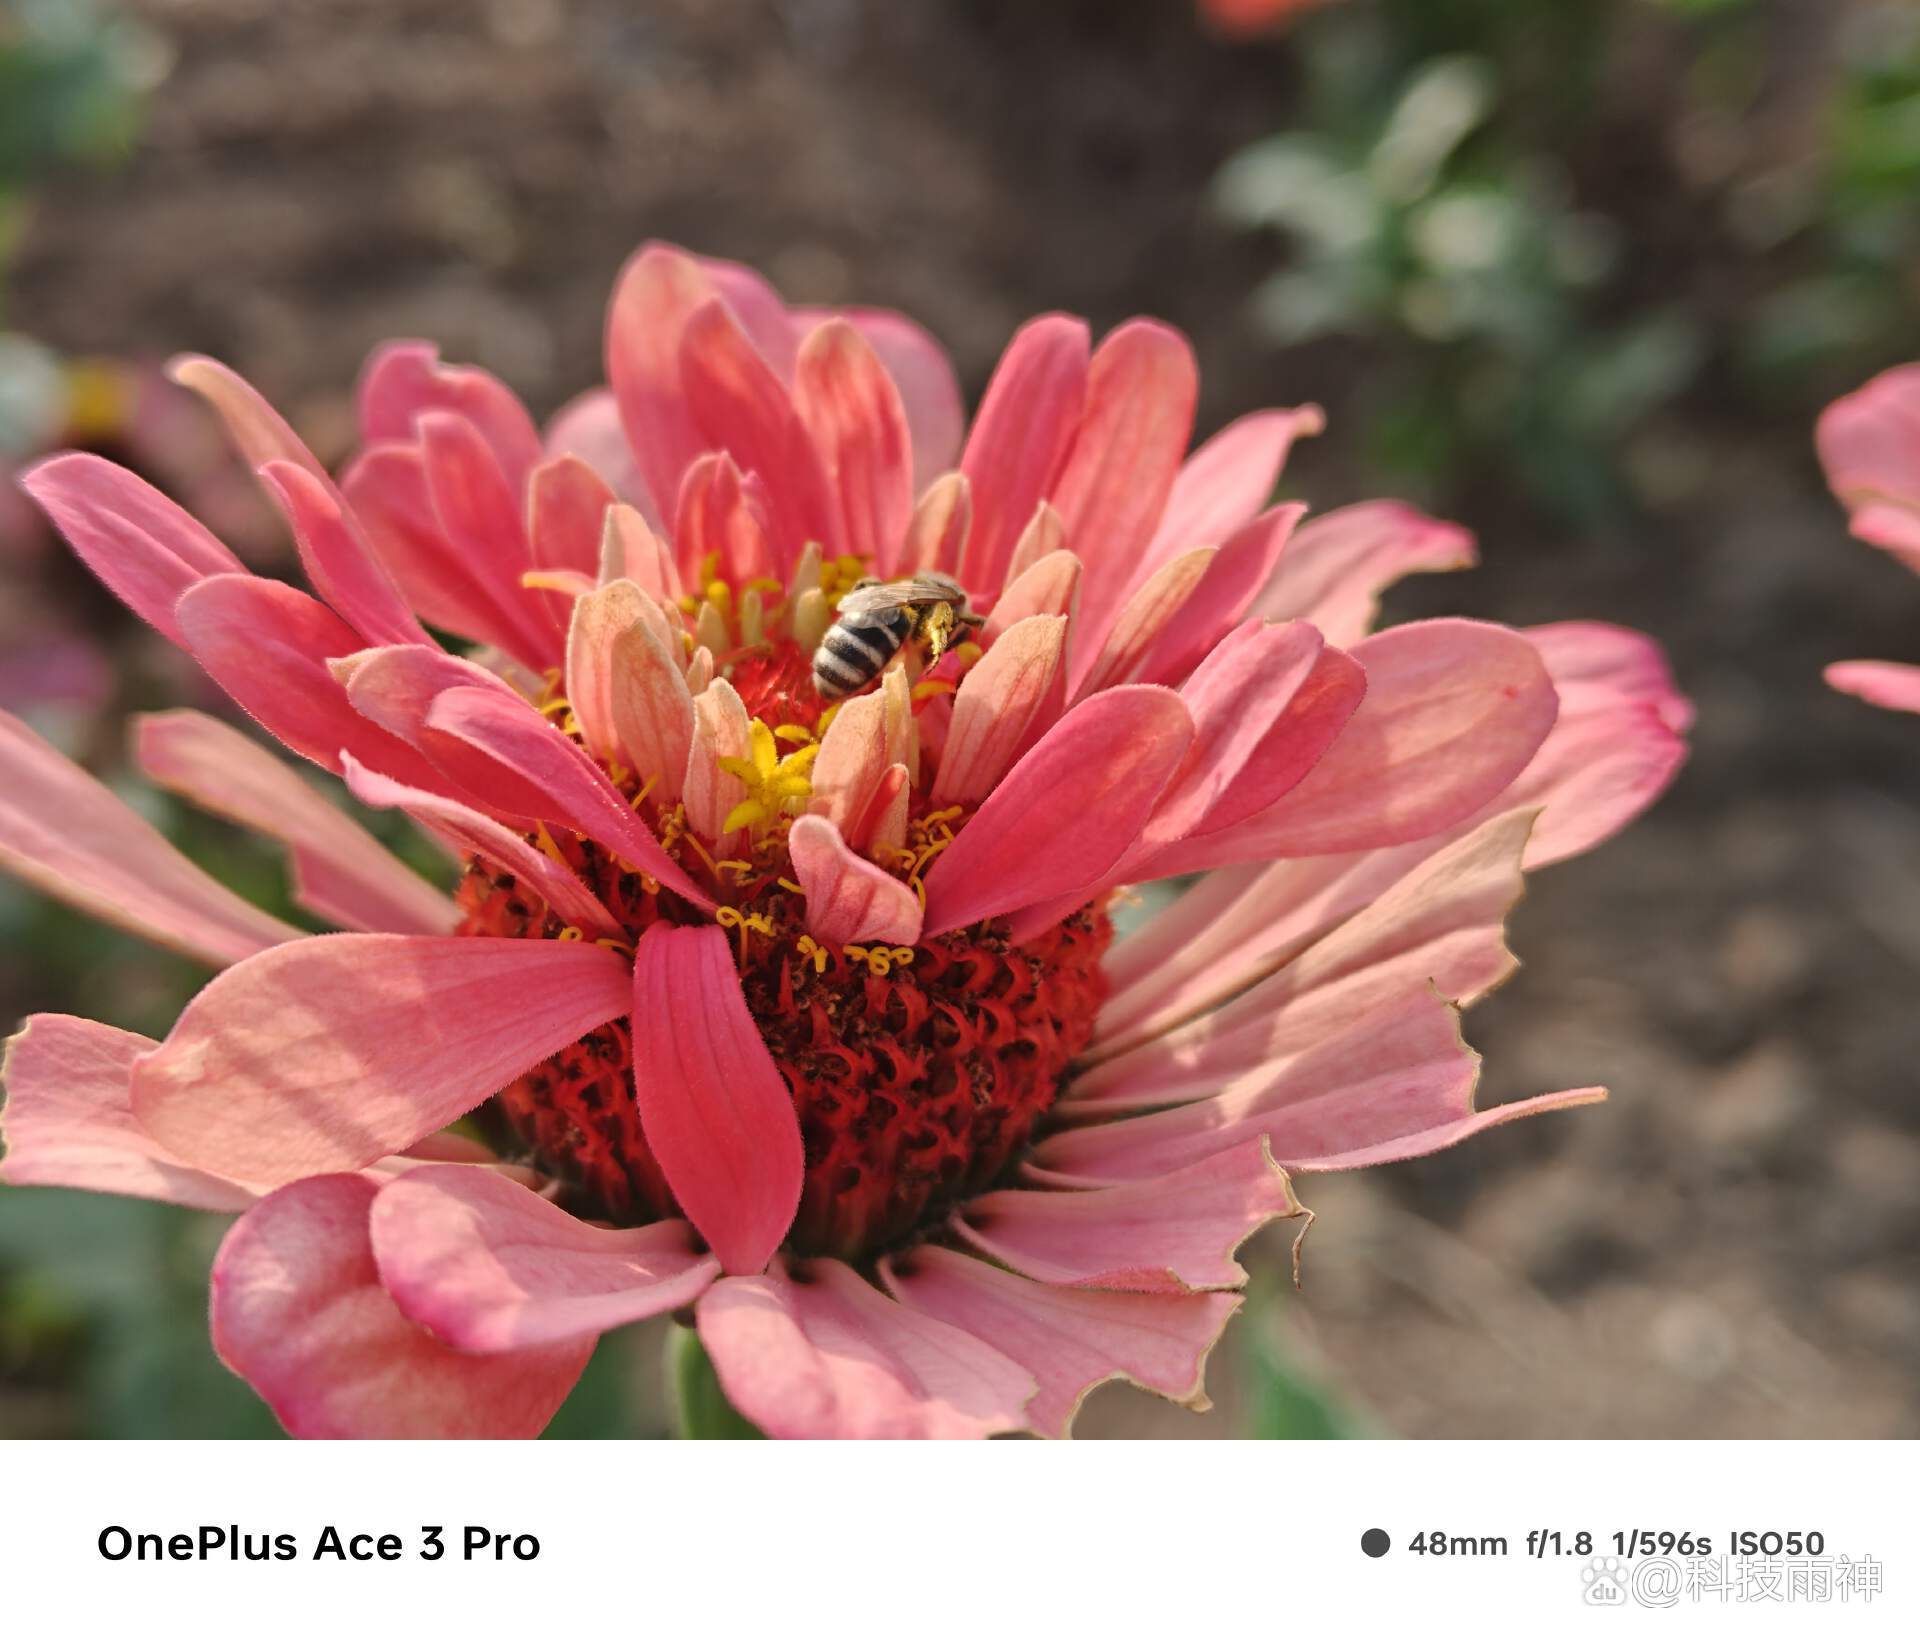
701,1410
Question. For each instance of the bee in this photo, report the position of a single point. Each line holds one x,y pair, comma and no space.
877,619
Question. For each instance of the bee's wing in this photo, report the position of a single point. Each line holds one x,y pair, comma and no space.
881,597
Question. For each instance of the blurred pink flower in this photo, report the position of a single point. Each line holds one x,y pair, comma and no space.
808,1018
1250,17
1869,442
54,660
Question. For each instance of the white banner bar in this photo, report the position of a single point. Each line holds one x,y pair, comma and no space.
1163,1542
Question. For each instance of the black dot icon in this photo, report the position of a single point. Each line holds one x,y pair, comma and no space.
1375,1542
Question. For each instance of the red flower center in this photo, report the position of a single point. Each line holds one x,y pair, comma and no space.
918,1074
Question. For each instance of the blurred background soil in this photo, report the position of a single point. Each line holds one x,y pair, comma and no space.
1729,1246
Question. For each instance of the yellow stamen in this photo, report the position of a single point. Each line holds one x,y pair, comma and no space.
743,924
744,816
559,581
774,782
546,844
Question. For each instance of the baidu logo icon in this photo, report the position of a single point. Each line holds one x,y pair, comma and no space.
1603,1582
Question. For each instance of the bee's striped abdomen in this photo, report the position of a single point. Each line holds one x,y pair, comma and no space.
856,649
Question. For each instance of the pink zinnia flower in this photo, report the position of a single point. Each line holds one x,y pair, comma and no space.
1869,442
808,1019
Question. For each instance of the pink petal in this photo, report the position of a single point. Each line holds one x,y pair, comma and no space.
387,488
1434,1133
544,880
1869,440
1885,685
394,686
1442,926
145,548
1337,564
630,548
325,1054
555,778
1599,665
653,713
404,379
299,1312
340,563
1616,746
1238,923
261,433
1266,707
482,517
924,376
882,827
268,646
849,900
69,836
853,411
1894,527
1067,812
1453,712
1238,698
853,759
1141,388
714,1109
820,1354
1020,438
593,672
721,518
1393,1083
720,732
1228,479
1237,573
1175,1233
653,299
69,1119
1613,749
1044,536
1190,922
588,427
1070,1339
1044,580
774,330
996,707
340,871
742,408
567,507
487,1265
1142,623
936,535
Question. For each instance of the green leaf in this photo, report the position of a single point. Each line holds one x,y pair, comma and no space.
701,1409
1285,1401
